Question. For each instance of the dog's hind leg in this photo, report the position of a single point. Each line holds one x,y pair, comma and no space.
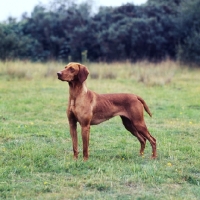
143,131
129,126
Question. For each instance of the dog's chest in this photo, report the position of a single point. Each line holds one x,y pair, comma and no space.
79,109
72,106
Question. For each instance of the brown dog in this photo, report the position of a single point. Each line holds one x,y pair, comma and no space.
89,108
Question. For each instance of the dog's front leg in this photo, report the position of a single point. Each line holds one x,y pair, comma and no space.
73,133
85,131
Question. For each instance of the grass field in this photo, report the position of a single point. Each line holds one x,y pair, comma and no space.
35,145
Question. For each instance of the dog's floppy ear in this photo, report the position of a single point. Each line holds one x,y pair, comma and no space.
83,73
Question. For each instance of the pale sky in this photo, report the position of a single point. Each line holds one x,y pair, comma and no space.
16,8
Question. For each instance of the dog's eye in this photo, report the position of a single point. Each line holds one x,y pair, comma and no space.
71,69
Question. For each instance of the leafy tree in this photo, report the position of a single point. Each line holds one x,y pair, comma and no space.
133,32
11,43
189,48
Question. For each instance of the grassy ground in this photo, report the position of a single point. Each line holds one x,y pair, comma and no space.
35,145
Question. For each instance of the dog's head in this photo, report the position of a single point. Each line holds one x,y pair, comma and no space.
73,72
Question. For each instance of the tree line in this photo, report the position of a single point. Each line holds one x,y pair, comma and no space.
64,30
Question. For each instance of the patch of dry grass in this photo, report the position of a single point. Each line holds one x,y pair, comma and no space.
144,72
28,70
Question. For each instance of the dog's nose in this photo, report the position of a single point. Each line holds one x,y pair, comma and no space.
59,73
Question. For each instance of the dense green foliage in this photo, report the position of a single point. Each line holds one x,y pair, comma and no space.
68,31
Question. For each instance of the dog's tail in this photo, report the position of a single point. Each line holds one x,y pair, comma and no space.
145,105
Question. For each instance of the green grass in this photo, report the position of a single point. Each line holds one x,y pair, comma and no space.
35,145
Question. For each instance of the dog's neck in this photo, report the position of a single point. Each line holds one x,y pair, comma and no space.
76,89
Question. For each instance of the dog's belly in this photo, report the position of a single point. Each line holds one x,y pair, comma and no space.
100,117
97,119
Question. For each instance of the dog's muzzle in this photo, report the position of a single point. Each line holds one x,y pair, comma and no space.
59,74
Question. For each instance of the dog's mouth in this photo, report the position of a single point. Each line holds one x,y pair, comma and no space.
59,74
60,77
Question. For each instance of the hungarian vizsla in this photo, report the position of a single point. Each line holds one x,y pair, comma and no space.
89,108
